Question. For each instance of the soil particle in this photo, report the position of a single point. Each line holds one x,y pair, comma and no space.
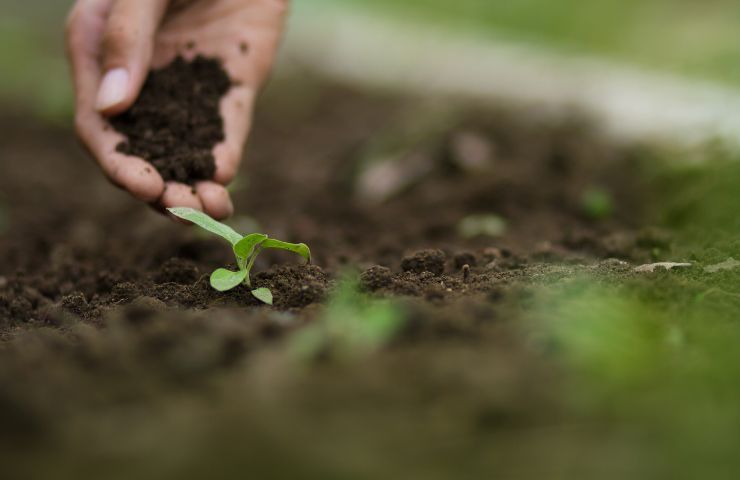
176,122
143,309
124,293
295,286
492,253
76,303
432,261
176,295
435,293
375,278
414,284
178,270
14,309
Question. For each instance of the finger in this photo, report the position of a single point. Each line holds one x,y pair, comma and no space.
126,55
133,174
180,195
85,26
236,110
215,199
85,29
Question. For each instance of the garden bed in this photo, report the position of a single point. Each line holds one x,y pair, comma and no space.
116,351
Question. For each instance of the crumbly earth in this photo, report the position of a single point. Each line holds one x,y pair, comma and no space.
176,121
118,361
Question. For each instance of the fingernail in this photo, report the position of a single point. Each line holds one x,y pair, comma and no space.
113,89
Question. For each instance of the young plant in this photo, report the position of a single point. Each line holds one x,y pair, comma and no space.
246,249
353,326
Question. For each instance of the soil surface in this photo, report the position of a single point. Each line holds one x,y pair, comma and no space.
176,121
115,351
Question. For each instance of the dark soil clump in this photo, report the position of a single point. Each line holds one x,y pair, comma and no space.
295,286
176,121
114,346
425,261
177,270
375,277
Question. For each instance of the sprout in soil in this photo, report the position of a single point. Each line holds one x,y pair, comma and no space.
246,248
352,326
597,203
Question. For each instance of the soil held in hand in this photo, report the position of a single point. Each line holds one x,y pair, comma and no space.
176,122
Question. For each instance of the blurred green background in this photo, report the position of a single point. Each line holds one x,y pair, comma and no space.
700,39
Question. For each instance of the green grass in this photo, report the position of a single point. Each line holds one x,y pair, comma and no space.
654,356
659,350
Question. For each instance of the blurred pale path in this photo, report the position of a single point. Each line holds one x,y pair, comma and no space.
630,102
693,37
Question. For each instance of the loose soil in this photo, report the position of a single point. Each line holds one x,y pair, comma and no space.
176,122
115,351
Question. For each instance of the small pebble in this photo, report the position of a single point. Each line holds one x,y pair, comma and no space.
466,273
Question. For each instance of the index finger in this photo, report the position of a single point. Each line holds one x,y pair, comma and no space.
84,35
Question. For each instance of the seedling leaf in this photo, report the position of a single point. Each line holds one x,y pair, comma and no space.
263,295
245,247
224,280
299,248
207,223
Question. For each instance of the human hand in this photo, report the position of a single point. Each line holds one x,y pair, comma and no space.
112,45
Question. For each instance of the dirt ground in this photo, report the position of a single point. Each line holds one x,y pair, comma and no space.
118,361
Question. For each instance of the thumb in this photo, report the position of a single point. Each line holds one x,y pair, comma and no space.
127,49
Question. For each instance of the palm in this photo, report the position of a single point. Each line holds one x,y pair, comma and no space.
244,35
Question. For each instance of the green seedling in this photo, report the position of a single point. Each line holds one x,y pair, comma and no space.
352,326
597,203
246,249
